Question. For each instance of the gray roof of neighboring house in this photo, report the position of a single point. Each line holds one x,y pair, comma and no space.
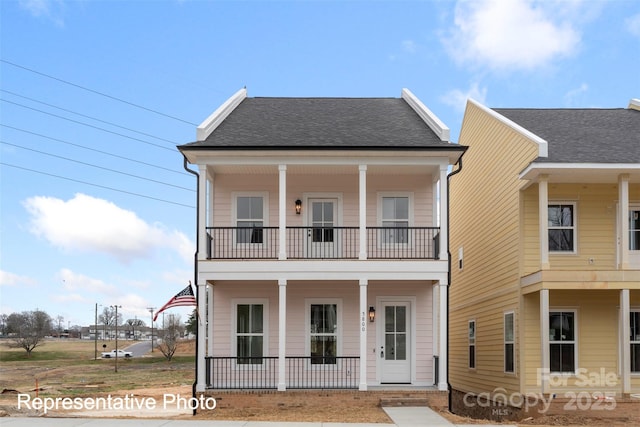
591,135
323,123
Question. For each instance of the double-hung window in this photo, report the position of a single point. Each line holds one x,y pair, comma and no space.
250,329
562,227
395,219
635,341
323,333
634,228
509,342
250,219
562,341
472,344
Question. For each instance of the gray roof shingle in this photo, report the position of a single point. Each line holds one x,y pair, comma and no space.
322,123
583,135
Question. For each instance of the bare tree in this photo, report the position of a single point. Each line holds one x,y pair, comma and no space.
108,318
3,324
60,320
131,325
170,335
28,329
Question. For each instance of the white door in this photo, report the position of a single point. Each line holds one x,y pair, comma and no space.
322,237
395,342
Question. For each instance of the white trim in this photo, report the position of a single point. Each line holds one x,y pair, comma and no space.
380,195
574,226
265,324
217,117
634,104
543,150
436,125
537,168
512,342
574,341
265,214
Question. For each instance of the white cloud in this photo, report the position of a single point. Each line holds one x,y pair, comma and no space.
458,98
49,9
514,34
79,282
11,279
632,24
89,224
409,46
573,97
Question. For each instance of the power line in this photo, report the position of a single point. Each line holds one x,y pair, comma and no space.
88,117
96,166
88,125
106,153
96,185
97,92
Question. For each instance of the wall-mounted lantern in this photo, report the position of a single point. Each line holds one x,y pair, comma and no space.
298,206
372,314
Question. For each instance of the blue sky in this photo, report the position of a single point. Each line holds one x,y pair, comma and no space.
116,224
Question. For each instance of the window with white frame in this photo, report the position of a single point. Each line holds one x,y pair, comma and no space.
250,215
634,340
562,341
509,342
472,344
323,332
562,227
395,219
634,228
250,333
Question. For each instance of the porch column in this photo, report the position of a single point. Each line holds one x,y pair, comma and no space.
442,335
282,333
364,319
543,220
282,211
201,383
363,211
209,320
202,212
623,219
544,340
444,214
625,368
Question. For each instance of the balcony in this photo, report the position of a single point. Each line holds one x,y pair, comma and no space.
382,243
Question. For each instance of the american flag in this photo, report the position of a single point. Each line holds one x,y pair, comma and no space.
183,298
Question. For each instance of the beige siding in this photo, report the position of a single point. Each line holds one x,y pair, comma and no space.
485,221
531,342
530,231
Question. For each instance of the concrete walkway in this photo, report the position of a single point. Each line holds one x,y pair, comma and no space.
401,417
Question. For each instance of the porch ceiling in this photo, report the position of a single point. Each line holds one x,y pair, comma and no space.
248,169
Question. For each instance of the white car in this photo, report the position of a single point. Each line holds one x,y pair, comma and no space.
112,353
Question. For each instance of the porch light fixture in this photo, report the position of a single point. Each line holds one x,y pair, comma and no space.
298,206
372,314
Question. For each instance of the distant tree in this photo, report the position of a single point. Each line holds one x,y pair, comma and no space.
28,329
108,317
192,323
3,324
131,325
170,335
59,329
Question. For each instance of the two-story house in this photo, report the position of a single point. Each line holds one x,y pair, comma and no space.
545,243
322,243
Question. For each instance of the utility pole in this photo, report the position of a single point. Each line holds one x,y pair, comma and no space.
116,307
95,334
151,311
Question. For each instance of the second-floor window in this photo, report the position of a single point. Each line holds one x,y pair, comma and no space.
634,229
249,219
395,219
562,227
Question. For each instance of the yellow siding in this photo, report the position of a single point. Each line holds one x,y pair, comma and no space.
530,231
485,222
531,340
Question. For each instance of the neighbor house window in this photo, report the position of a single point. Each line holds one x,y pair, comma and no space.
562,341
509,343
250,333
472,344
323,333
395,219
635,341
249,219
562,227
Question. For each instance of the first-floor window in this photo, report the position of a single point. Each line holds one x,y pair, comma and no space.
635,341
323,333
509,343
249,333
472,344
562,341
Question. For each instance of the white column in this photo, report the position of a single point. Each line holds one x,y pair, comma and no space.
364,320
625,368
202,212
282,211
209,320
362,207
435,308
623,219
282,333
543,221
444,213
442,336
544,340
201,383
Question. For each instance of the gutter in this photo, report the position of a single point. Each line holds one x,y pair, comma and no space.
195,269
459,163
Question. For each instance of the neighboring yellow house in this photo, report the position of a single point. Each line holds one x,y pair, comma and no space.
545,252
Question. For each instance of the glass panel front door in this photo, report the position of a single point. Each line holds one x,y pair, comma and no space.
395,346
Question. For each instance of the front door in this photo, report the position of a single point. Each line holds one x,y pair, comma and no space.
322,239
395,342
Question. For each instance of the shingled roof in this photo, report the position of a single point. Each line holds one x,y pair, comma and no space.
591,135
323,123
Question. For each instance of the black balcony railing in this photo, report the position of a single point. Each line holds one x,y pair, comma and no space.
323,242
301,372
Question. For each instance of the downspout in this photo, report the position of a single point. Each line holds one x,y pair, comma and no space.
459,163
195,270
